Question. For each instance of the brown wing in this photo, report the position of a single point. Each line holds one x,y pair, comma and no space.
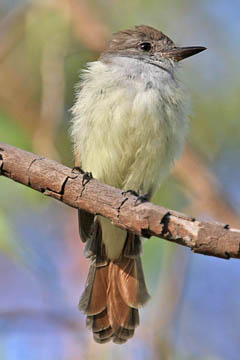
85,224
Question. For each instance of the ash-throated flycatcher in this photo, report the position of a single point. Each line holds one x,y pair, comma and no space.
129,124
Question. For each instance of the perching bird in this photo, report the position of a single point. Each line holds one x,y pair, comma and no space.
129,124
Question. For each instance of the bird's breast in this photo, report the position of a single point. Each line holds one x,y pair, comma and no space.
133,136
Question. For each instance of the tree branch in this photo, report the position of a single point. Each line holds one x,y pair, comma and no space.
145,219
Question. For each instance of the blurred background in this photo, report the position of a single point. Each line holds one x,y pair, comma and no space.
194,312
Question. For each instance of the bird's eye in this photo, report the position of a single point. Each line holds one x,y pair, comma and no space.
145,46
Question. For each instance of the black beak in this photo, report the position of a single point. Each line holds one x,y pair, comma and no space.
180,53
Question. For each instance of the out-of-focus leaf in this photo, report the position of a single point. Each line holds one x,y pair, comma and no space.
12,133
42,24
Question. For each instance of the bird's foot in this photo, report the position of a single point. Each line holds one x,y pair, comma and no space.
140,198
132,192
77,170
87,176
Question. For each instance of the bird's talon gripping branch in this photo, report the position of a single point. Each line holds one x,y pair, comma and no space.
77,170
87,176
131,192
141,199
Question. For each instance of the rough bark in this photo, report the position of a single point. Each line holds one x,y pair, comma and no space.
146,219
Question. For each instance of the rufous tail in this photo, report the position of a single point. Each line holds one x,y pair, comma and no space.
114,290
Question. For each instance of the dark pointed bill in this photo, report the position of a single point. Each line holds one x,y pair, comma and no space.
180,53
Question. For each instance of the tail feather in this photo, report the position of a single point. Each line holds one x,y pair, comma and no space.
103,336
100,321
129,278
122,335
94,298
114,291
119,312
100,326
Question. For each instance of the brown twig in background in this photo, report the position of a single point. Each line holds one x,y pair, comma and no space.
15,99
52,97
87,27
81,191
12,29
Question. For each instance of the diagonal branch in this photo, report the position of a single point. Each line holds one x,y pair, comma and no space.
76,190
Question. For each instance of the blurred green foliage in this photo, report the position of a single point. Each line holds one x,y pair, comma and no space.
13,133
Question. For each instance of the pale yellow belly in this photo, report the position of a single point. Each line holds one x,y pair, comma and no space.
129,153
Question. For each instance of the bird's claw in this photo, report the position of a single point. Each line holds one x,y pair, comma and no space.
87,176
77,170
132,192
140,198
